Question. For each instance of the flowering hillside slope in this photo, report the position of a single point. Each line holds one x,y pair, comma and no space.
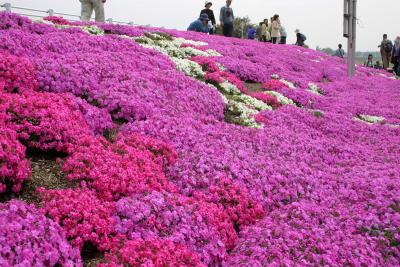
183,149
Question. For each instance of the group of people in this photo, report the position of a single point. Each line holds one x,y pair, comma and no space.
268,31
207,23
272,32
390,53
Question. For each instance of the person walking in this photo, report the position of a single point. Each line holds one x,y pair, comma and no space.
210,15
300,38
283,35
396,56
386,47
339,52
226,18
87,7
275,29
200,25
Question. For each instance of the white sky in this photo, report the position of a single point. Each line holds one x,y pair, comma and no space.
320,20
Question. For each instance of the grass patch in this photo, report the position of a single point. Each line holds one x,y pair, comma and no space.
254,86
46,173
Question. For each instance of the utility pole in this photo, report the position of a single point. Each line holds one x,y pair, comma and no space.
350,32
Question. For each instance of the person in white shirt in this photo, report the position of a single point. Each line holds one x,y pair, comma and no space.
87,7
275,29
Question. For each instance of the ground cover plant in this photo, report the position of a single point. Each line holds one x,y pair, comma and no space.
173,160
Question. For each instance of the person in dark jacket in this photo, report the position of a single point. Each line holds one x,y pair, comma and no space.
200,25
300,38
211,16
396,56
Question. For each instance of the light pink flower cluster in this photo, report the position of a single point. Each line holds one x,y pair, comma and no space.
266,98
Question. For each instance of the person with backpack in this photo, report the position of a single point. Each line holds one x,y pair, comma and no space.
396,56
339,52
226,18
87,7
210,15
386,47
275,29
300,38
200,25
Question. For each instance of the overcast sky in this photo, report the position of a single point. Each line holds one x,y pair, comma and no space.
320,20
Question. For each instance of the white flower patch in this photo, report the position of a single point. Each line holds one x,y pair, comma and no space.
172,46
43,21
241,108
394,125
315,89
58,26
213,53
281,98
179,41
226,101
287,83
92,29
190,51
220,66
252,102
244,114
189,67
229,88
369,119
386,76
